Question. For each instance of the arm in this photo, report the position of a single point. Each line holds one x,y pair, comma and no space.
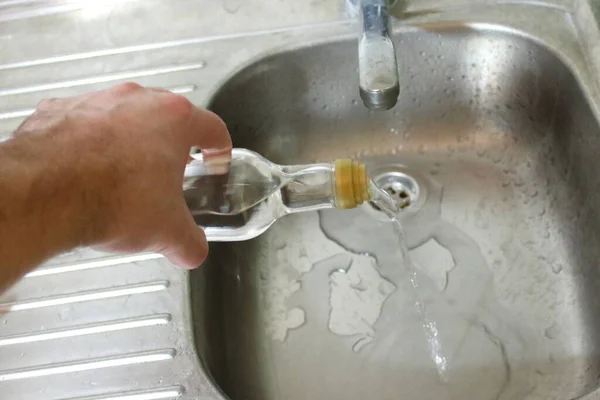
103,170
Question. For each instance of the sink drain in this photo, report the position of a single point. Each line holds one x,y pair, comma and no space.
405,186
400,186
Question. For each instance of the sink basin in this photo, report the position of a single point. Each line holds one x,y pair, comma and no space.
494,148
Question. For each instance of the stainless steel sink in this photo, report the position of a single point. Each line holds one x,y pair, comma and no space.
491,150
494,146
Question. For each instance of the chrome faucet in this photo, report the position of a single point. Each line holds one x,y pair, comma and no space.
377,65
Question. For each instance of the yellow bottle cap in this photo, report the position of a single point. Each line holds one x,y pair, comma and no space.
351,183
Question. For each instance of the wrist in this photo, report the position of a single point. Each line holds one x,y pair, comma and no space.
55,191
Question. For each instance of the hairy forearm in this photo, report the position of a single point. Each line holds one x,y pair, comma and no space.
104,169
42,203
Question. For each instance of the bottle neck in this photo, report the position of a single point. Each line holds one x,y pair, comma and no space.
308,188
342,184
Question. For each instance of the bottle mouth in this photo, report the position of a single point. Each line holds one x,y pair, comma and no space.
351,184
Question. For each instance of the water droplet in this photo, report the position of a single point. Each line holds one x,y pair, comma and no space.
232,6
279,244
557,268
393,131
360,343
552,331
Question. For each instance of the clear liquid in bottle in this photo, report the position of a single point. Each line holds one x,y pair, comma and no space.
244,201
247,182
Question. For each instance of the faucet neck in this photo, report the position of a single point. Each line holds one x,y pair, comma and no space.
376,19
377,64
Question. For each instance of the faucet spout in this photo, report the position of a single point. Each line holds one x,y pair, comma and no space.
377,65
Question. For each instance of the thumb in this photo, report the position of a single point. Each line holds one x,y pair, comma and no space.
189,247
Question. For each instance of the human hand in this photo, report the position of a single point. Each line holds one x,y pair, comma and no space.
123,152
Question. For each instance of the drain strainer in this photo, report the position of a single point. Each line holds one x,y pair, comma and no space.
401,185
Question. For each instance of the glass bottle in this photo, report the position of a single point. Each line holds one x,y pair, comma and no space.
242,202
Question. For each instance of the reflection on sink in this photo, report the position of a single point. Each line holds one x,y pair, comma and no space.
502,147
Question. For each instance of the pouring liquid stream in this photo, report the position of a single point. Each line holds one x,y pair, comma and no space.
389,207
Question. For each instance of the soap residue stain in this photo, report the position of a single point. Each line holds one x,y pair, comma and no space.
430,322
277,288
356,295
435,261
386,204
397,269
447,314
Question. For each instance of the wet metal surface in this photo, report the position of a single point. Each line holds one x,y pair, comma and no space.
497,124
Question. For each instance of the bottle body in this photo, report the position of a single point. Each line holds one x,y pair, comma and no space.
244,202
